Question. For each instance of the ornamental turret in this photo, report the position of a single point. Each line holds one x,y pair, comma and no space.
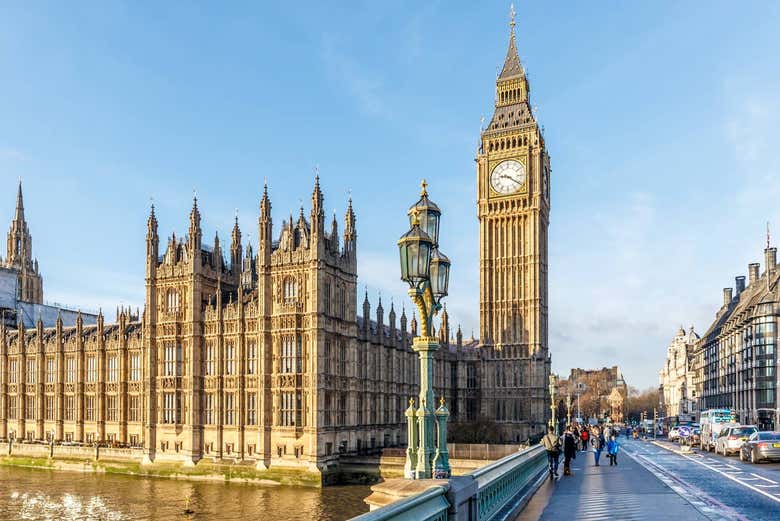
196,234
236,250
19,255
264,228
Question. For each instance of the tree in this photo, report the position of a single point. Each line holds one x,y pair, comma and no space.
641,401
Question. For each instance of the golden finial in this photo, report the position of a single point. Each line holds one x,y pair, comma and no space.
424,186
416,217
512,15
441,402
411,402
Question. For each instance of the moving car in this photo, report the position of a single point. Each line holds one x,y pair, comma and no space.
761,446
674,433
731,438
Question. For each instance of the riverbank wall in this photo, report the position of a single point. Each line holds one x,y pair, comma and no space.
350,469
130,462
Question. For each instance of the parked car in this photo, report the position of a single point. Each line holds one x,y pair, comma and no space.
731,438
760,446
674,433
695,436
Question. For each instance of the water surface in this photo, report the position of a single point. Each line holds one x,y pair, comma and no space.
44,494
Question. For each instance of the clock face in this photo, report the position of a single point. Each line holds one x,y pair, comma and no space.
508,177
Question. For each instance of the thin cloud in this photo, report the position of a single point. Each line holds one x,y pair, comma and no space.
11,154
361,84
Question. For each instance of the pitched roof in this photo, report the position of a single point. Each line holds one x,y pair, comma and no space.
512,66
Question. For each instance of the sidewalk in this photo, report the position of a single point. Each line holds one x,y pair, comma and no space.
625,492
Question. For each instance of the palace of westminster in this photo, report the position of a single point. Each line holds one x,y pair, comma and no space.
261,356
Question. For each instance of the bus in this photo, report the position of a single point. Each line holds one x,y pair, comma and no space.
711,423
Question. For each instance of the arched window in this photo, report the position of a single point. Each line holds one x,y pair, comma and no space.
290,289
172,301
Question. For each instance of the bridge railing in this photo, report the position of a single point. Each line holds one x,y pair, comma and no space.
500,482
486,494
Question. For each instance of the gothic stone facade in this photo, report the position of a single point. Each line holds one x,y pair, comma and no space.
513,207
261,359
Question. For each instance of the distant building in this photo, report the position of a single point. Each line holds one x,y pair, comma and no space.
676,378
599,392
21,282
736,359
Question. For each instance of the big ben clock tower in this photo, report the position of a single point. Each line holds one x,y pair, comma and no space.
513,207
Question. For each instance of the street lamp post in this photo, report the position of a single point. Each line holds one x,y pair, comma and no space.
579,413
427,271
568,409
552,401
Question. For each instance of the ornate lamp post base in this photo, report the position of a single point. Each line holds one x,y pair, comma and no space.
425,347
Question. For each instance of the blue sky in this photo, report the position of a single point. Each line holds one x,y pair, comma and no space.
660,117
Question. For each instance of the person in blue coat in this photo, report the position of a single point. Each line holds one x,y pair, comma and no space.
612,450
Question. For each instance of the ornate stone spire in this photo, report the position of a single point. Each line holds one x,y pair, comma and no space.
350,233
19,255
236,249
195,232
264,226
512,66
366,309
151,224
19,215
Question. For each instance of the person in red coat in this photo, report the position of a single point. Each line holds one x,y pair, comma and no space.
584,436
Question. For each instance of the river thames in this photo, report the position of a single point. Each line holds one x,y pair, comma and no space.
42,494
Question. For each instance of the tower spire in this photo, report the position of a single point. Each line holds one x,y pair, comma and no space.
19,216
512,66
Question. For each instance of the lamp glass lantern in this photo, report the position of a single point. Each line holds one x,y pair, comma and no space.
428,215
414,249
440,273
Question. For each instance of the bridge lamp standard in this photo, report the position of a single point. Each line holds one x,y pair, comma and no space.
427,271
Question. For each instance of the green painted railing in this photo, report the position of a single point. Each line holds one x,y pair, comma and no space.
431,505
498,491
501,481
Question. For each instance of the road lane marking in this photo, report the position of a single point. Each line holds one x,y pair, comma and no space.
710,507
765,486
773,497
765,479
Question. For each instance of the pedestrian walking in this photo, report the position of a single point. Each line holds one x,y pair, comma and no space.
569,450
598,445
584,436
612,450
552,443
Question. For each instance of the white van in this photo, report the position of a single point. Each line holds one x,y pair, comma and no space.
713,421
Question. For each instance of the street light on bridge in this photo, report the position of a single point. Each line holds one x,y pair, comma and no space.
427,271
